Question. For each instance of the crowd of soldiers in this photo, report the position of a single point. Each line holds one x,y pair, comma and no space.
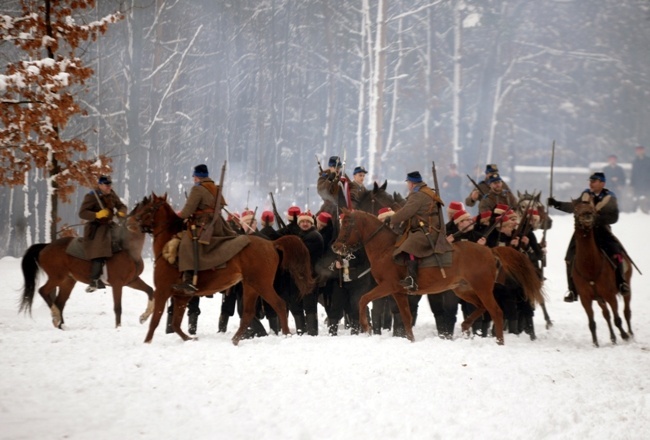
342,280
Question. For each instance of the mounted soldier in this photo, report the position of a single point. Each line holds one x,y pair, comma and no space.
98,209
607,208
483,187
357,188
333,187
198,213
498,194
422,227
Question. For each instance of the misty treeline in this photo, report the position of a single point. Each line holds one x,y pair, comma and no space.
272,85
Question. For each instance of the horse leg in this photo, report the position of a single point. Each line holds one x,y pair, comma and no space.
278,304
379,291
586,304
628,314
249,299
65,289
160,300
180,304
405,311
138,284
117,304
603,305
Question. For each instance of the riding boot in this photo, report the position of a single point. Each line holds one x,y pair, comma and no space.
223,323
312,324
410,282
572,295
192,321
186,286
96,266
300,323
274,324
513,326
623,286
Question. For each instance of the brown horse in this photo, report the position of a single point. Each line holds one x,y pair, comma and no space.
63,271
472,274
255,267
594,276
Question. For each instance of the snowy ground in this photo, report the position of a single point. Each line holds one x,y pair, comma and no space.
92,381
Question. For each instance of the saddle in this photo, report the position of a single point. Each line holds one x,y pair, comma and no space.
434,260
76,248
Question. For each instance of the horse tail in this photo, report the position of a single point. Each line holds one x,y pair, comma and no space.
518,267
296,260
30,268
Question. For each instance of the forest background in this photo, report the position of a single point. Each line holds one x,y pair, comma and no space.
272,85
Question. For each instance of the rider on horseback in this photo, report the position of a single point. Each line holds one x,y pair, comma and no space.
98,208
607,208
422,226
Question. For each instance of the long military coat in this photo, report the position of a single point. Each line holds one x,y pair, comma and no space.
98,233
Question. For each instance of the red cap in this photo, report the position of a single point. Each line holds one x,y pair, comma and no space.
461,215
293,211
267,216
306,216
455,206
324,217
247,215
385,212
500,209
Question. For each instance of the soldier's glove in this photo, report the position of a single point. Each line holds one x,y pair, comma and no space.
121,214
552,202
387,221
102,214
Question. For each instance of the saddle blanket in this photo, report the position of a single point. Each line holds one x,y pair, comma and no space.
434,260
76,248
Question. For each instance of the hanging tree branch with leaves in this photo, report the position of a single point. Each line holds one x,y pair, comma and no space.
37,97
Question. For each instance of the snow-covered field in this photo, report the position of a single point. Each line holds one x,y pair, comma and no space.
92,381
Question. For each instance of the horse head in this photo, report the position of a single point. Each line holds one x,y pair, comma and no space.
349,238
373,200
144,212
527,202
585,214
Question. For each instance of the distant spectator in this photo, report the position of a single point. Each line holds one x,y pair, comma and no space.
640,179
451,184
615,176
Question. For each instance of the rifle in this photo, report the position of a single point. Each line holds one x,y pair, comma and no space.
206,231
476,185
524,226
320,167
543,242
278,218
441,243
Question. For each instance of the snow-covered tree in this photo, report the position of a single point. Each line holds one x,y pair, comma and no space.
38,98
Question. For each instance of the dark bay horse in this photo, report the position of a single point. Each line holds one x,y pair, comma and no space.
594,276
255,267
63,272
471,276
529,201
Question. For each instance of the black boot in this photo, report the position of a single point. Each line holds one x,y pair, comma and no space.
168,328
300,323
410,282
255,330
398,326
355,328
623,286
96,266
529,327
312,324
192,321
274,324
376,318
186,287
333,328
572,295
223,323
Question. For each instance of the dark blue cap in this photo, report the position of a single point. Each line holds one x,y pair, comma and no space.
104,180
360,170
495,178
335,161
414,176
598,176
491,168
201,171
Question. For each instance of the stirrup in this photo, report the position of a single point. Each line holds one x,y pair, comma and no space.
409,283
95,285
624,288
571,297
186,288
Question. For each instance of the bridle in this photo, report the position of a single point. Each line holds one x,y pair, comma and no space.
149,210
344,236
